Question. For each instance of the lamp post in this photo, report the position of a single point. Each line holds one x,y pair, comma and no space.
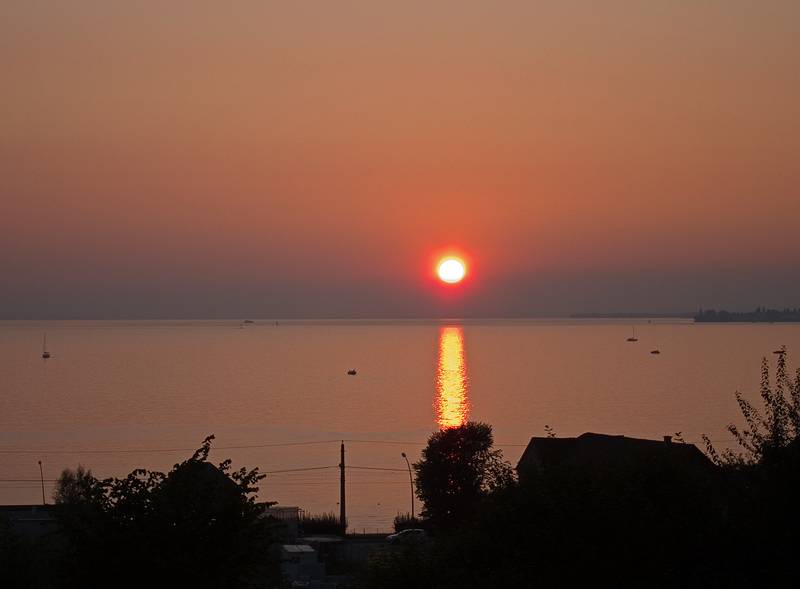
410,482
41,475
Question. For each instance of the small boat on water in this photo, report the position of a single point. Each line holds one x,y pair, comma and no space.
352,372
248,321
45,353
655,351
781,351
633,337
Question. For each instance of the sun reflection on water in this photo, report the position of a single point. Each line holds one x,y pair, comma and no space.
452,404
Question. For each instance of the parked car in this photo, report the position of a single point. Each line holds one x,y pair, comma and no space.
410,536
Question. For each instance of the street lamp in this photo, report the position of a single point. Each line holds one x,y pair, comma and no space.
41,475
410,482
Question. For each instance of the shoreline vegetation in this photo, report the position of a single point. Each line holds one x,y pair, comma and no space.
633,315
759,315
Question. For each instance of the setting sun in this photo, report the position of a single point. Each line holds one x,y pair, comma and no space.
451,270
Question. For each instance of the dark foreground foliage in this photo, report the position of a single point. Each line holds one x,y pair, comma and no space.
195,526
404,521
322,523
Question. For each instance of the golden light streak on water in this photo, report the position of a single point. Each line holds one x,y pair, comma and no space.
452,403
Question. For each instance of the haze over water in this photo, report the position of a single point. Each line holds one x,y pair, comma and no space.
163,385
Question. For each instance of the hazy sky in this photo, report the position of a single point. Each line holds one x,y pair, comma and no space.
255,158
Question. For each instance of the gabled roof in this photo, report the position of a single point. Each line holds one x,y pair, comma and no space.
591,450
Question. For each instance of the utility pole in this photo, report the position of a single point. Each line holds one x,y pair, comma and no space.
410,482
41,475
342,510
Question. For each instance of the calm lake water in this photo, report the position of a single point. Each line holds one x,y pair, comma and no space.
120,395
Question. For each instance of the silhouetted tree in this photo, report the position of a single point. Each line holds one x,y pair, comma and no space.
458,469
762,479
767,433
197,525
404,521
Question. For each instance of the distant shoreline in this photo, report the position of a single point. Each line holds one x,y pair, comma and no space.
759,315
686,315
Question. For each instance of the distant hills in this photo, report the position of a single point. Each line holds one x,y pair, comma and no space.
760,315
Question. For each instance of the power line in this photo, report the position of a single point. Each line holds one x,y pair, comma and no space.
377,468
386,442
297,469
304,469
279,471
158,450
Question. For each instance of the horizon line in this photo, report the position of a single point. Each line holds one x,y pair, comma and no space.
242,318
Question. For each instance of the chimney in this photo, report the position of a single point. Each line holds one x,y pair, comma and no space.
668,440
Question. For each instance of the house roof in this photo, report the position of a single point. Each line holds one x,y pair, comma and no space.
591,450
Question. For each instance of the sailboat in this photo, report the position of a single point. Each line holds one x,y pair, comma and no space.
45,353
633,337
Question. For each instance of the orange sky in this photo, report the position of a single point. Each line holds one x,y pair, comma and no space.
304,159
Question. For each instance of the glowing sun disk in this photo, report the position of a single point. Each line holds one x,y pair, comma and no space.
451,270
